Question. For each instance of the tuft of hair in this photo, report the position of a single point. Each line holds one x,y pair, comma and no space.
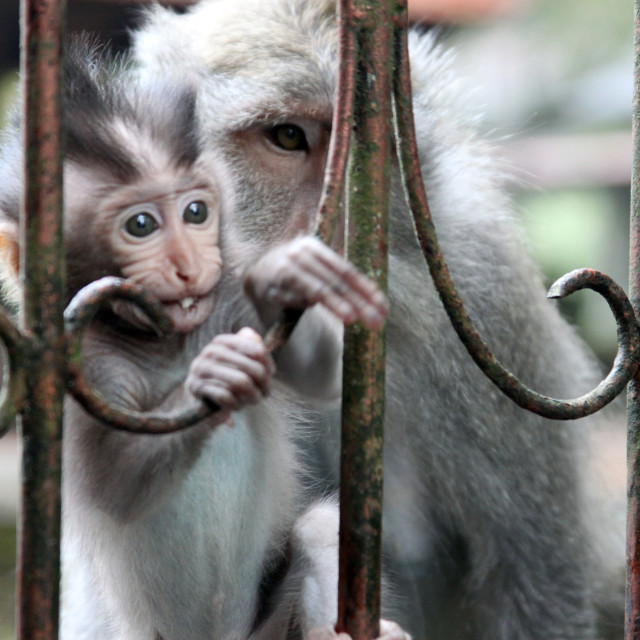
289,36
110,109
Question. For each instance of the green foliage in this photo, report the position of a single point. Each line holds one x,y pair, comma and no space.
7,581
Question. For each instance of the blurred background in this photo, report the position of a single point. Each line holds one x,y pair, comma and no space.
554,82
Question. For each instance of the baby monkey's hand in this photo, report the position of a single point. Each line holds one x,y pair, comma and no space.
233,370
304,272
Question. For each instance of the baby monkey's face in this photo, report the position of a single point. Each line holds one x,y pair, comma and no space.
163,235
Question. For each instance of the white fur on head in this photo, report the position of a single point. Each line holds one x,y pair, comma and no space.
215,34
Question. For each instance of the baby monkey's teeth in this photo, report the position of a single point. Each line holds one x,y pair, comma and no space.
187,302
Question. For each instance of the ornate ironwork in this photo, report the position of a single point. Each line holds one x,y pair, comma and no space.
77,316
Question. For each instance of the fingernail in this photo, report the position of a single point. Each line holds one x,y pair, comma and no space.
251,334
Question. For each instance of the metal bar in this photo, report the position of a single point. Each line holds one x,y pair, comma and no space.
368,187
43,274
632,617
334,182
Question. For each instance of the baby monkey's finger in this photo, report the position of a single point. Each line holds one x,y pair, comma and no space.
344,290
230,387
234,348
250,334
239,372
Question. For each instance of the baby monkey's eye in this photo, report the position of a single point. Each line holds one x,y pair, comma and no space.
289,137
141,225
195,212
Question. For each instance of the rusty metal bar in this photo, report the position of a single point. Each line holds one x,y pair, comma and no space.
368,187
632,614
43,273
341,126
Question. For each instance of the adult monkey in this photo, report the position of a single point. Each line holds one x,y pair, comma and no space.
493,526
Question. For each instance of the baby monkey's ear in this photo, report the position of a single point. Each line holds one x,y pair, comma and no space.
10,262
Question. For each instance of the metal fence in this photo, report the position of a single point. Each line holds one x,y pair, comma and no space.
43,351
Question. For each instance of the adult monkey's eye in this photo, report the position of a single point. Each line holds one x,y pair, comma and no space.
141,225
289,137
195,212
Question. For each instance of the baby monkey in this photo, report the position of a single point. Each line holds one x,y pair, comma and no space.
201,533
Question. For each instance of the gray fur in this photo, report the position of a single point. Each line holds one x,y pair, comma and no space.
494,525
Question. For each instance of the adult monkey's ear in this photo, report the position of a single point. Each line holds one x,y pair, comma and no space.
10,261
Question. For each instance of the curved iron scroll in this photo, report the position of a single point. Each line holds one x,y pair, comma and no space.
628,356
77,316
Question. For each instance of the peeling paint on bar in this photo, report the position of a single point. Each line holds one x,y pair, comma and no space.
363,377
43,361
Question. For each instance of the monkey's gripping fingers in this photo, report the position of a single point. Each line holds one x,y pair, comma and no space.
305,272
388,631
233,370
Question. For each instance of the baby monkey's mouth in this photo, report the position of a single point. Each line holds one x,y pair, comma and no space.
188,312
185,313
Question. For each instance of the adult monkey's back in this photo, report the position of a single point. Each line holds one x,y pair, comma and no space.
496,524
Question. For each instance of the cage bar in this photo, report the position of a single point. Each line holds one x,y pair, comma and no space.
363,379
632,617
43,362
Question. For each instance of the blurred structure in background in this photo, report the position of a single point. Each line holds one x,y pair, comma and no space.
462,11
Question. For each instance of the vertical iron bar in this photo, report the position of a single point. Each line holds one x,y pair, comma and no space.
632,621
364,351
43,277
